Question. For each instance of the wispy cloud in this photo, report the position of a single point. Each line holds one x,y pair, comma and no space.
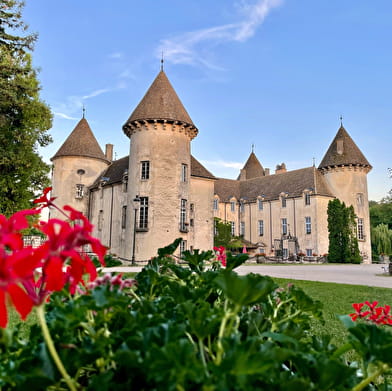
188,47
96,93
116,55
222,163
64,116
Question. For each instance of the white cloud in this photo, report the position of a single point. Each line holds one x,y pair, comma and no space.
222,163
96,93
116,55
186,48
64,116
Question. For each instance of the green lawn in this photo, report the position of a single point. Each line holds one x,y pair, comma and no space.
337,300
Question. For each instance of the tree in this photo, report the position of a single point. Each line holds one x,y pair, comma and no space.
382,239
343,243
223,236
381,212
24,118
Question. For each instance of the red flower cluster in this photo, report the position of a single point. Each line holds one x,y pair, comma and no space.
28,275
221,256
370,312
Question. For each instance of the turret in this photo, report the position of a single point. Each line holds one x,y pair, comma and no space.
160,132
76,165
345,170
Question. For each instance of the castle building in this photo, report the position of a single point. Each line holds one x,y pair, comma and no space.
160,192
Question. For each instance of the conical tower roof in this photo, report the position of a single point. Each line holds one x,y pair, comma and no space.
343,152
159,104
252,168
81,142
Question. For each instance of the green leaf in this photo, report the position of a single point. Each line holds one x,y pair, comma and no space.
244,290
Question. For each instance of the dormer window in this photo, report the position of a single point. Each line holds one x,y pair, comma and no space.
79,191
232,206
260,203
125,181
307,198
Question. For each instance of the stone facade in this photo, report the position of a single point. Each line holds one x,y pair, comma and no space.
165,193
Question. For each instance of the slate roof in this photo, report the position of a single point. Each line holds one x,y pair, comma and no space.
114,173
350,155
198,170
160,103
81,142
271,186
252,167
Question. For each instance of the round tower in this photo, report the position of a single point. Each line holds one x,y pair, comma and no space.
160,132
345,170
76,165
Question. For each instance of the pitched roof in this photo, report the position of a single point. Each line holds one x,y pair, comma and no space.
271,186
160,103
114,173
81,142
343,152
252,168
198,170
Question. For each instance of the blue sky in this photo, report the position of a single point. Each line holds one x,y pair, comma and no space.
274,73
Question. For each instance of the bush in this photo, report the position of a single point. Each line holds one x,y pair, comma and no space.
198,326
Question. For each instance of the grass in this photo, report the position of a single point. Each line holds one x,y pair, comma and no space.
337,299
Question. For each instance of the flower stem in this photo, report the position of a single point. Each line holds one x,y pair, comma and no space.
53,352
364,383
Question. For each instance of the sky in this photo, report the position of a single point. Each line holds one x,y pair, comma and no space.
273,74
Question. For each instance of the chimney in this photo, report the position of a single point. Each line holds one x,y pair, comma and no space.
280,168
266,171
242,174
109,151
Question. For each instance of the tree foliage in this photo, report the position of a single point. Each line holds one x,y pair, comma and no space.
343,243
223,236
381,212
382,239
24,117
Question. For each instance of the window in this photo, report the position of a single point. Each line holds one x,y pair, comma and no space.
191,222
284,202
182,246
191,207
242,228
79,191
232,223
261,227
284,226
215,227
242,207
216,204
360,232
143,213
125,181
124,217
184,172
308,225
100,220
232,206
359,198
183,224
145,167
260,204
309,252
285,253
307,198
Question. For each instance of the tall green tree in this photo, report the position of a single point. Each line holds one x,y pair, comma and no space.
343,243
382,239
381,212
24,117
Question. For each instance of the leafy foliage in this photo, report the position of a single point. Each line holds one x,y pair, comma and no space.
381,212
382,239
201,327
24,118
343,243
